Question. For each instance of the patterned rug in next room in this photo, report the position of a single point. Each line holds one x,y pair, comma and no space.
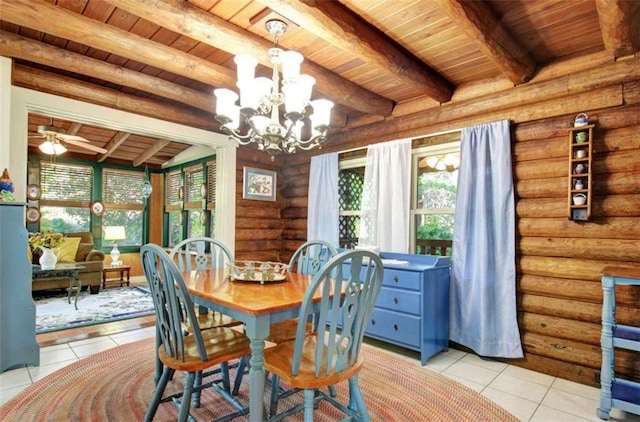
53,313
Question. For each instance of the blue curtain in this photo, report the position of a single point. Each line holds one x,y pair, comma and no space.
323,206
483,305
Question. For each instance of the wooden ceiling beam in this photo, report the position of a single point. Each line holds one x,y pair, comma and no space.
74,128
151,151
620,26
344,29
481,25
60,22
16,46
40,80
183,18
113,144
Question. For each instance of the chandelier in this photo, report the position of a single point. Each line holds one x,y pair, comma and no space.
260,101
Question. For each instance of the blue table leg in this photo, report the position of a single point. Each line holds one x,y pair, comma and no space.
257,330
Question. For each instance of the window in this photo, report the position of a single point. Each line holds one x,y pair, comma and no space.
194,187
350,185
173,206
67,191
434,180
190,195
124,204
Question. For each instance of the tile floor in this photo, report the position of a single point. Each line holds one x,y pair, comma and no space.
529,395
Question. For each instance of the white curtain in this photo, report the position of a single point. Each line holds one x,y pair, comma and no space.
386,197
323,207
483,305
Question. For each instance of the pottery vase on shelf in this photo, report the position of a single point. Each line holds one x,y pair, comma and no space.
48,260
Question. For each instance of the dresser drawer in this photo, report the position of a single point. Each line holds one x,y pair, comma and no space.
395,327
401,279
406,301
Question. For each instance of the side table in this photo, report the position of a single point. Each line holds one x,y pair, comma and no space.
122,269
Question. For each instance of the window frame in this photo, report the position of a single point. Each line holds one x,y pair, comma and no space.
416,153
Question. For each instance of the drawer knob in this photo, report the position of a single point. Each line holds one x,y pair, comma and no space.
373,321
395,278
395,327
395,300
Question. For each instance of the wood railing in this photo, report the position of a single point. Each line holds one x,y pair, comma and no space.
423,246
434,247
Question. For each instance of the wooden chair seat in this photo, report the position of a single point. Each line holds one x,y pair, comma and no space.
222,345
210,320
285,331
278,360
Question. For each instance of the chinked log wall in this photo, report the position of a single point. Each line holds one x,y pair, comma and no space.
558,260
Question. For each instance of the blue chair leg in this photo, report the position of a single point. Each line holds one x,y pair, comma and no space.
224,371
157,395
356,399
275,393
309,403
185,403
196,394
242,368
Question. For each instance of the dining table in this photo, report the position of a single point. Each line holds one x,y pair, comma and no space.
257,306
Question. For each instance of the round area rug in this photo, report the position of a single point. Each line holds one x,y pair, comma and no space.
116,385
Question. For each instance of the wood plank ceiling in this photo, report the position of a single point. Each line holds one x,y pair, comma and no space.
376,59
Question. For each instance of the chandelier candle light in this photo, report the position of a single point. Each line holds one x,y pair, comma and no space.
114,233
260,97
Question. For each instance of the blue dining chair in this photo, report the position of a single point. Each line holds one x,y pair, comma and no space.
199,351
331,353
202,253
307,259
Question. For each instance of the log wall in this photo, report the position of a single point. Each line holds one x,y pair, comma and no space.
558,260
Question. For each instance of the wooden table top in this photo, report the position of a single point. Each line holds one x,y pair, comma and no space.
247,296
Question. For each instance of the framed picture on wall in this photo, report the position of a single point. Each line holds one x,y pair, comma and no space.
259,184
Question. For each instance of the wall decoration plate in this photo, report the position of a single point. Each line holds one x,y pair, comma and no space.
97,208
33,192
203,217
33,215
203,190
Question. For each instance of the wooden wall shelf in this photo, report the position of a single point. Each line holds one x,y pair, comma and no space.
580,172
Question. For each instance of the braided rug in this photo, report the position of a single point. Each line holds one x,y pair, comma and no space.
117,384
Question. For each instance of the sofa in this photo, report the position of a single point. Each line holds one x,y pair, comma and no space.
91,259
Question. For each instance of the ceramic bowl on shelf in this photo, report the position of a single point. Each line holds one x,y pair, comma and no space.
579,199
581,120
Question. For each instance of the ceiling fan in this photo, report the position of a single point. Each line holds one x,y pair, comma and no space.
55,137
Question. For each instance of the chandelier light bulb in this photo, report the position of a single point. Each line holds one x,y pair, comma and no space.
291,61
246,65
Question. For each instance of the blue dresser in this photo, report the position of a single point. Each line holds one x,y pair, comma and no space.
412,310
17,311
